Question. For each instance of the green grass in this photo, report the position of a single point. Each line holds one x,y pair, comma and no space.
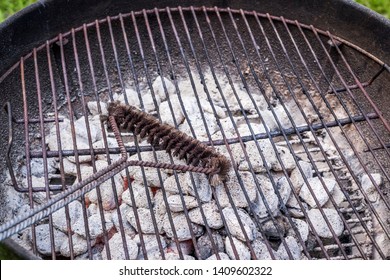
380,6
9,7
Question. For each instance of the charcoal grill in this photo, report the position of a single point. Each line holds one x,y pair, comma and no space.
322,92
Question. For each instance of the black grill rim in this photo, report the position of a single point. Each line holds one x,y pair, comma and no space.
378,61
41,21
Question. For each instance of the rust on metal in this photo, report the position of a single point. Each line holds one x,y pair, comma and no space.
172,141
96,61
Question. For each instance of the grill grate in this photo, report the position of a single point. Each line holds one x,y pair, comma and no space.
313,91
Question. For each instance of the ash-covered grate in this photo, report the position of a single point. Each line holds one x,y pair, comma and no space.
289,105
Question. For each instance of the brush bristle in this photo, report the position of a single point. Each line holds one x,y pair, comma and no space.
171,140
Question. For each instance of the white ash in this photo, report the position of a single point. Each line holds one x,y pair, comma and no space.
68,144
369,187
194,111
255,127
274,228
254,157
95,252
176,204
241,249
23,238
108,198
190,113
171,111
37,167
217,110
127,227
320,225
23,209
302,227
181,106
261,251
95,226
286,158
70,168
295,209
145,219
207,248
59,217
234,153
227,126
191,88
150,102
381,237
271,156
282,117
237,191
93,107
81,138
38,197
80,246
222,256
167,256
148,174
293,246
265,147
151,242
111,143
161,156
160,208
117,248
43,237
95,132
186,247
211,212
270,196
242,128
337,196
283,186
249,231
318,189
174,256
64,128
243,102
163,87
182,228
199,125
297,178
101,164
139,193
147,101
93,209
185,180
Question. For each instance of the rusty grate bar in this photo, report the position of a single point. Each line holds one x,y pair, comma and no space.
249,54
60,201
368,145
352,209
284,50
245,138
330,134
156,56
228,148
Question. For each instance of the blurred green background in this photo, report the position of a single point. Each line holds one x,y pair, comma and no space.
8,7
380,6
